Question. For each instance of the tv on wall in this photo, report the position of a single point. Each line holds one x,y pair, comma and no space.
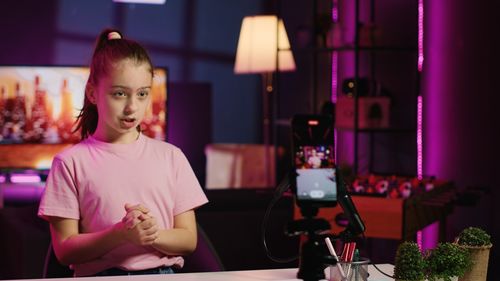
38,109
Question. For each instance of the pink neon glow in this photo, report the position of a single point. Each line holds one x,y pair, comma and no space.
419,240
2,178
419,138
420,65
21,178
335,19
334,76
430,236
335,11
420,34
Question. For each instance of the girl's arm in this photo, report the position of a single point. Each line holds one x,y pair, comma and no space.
72,247
180,240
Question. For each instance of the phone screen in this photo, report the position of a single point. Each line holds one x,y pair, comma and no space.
315,173
314,160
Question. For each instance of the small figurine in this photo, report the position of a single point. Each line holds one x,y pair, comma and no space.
358,187
429,185
405,189
382,186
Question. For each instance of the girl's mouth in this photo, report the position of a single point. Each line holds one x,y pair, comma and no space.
128,123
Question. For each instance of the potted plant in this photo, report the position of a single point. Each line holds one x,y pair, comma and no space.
409,264
478,243
447,262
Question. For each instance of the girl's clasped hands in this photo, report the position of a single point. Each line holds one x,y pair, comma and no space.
139,226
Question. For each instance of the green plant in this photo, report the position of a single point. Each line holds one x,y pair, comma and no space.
447,260
474,236
409,264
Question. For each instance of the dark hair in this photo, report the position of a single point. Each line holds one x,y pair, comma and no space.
107,53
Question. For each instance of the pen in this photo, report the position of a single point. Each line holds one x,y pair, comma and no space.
332,252
356,268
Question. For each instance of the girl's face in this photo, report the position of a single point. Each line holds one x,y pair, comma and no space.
122,99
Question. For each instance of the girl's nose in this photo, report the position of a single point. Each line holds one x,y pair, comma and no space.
131,105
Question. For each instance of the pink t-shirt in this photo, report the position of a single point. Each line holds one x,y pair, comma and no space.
93,180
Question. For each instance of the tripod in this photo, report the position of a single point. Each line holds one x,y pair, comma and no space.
314,256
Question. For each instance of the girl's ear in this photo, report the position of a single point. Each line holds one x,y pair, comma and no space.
90,94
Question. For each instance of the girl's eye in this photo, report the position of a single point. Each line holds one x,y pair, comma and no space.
143,94
119,94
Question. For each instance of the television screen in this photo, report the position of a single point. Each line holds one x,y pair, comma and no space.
38,109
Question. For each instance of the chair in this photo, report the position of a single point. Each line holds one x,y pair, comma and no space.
203,259
52,268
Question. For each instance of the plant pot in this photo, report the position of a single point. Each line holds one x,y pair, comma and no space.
454,278
479,269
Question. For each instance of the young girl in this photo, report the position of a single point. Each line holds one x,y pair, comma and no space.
119,202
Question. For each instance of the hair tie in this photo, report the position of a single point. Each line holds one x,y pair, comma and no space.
114,35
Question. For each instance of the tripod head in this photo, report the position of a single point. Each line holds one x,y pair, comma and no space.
314,256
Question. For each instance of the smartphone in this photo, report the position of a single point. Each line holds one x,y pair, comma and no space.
314,181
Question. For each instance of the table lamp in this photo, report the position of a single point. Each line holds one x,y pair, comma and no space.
263,47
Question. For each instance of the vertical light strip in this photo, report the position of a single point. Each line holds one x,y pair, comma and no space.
334,76
419,138
335,11
420,64
420,34
335,20
419,157
419,98
334,96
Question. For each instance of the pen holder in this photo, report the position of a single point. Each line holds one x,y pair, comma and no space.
354,271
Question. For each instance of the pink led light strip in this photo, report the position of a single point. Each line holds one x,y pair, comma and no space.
419,138
420,35
420,64
335,19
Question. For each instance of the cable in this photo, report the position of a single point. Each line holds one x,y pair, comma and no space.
282,187
379,270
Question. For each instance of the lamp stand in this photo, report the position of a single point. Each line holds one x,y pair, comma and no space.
268,87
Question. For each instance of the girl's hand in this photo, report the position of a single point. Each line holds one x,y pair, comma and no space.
144,233
135,215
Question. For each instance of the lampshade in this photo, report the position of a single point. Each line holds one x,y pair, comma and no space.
258,45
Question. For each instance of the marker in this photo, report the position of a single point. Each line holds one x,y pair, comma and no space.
351,247
332,252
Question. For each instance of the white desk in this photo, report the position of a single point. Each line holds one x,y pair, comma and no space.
288,274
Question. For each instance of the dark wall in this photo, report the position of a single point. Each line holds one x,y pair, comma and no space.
189,122
460,90
27,26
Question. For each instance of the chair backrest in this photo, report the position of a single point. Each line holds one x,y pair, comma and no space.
52,268
204,258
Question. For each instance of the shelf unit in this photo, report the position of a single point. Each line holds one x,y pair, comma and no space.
372,61
391,61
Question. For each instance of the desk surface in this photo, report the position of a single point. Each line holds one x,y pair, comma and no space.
288,274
